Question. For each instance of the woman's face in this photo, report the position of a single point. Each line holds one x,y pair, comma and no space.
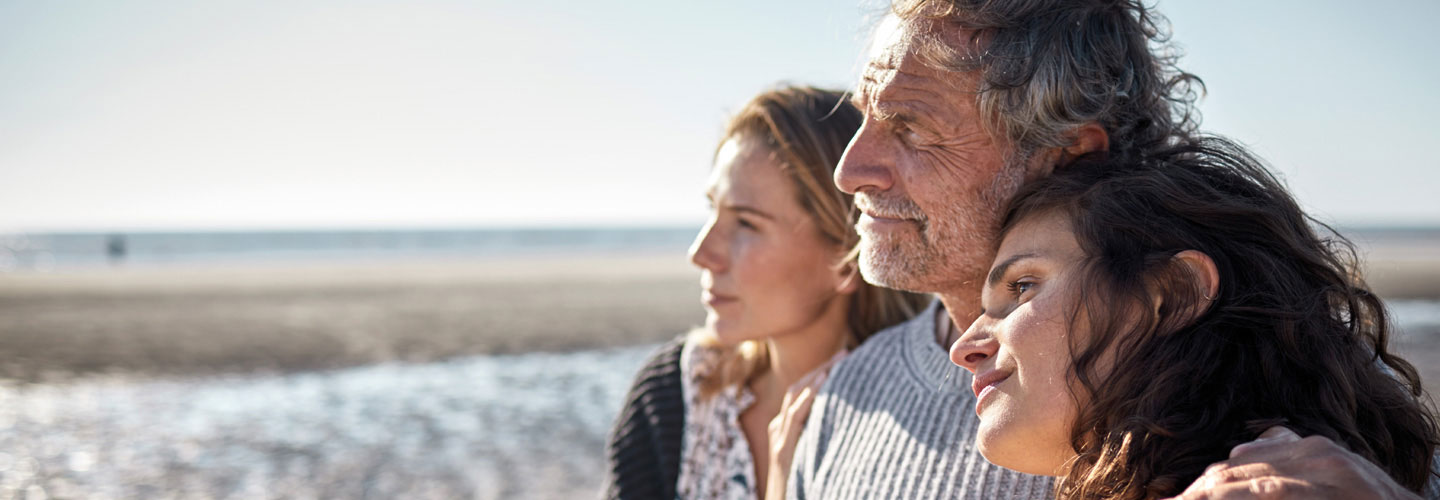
1019,348
765,269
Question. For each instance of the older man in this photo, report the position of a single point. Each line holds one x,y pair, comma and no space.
965,101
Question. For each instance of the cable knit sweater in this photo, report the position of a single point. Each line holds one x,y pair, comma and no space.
897,420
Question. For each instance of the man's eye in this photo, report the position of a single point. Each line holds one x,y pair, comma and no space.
910,136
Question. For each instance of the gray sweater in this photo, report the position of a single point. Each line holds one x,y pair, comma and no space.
897,420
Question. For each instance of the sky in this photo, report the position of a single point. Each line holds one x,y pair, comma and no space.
255,114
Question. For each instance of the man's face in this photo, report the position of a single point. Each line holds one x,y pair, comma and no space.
929,179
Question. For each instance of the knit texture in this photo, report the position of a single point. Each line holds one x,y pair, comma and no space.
897,420
644,448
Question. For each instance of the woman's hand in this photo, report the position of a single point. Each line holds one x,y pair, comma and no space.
785,428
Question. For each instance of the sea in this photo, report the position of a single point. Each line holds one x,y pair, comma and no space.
42,251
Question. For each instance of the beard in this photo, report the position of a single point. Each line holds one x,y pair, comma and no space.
947,247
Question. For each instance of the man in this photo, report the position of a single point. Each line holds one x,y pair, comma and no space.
964,102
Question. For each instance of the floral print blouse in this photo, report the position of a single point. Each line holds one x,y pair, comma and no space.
715,461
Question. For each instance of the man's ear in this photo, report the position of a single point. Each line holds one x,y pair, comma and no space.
1087,138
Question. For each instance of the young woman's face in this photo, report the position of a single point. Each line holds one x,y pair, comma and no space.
765,268
1019,348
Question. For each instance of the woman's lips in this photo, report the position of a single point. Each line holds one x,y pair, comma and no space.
712,299
984,384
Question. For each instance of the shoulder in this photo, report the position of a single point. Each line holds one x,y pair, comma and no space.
887,344
657,385
662,363
644,448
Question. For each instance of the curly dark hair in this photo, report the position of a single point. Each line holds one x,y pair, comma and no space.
1293,336
1049,66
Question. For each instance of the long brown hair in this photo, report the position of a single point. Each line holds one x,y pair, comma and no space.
807,130
1293,337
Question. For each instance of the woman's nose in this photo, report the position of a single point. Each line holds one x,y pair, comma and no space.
974,346
705,252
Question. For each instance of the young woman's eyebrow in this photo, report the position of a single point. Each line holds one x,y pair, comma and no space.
999,270
745,209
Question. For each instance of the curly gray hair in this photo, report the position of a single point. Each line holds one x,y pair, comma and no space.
1049,66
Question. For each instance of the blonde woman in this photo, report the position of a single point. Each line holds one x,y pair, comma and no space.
716,413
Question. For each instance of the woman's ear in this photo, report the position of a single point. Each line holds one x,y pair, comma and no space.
1205,277
849,278
1202,276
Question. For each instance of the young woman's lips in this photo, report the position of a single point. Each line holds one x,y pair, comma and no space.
984,385
712,299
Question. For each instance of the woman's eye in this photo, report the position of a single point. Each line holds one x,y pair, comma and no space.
745,223
1019,287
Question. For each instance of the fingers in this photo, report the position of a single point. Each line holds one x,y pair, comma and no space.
799,409
1262,488
1274,438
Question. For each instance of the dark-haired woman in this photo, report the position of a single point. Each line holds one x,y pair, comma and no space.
716,415
1141,320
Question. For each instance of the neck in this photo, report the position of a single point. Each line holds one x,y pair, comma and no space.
963,308
796,354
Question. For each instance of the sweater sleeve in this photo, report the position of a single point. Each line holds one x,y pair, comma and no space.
644,450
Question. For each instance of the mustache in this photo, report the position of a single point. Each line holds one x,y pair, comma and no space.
891,207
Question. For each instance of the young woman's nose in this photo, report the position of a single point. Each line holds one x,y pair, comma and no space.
706,252
974,346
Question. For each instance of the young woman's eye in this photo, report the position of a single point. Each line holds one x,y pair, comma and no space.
1020,286
745,223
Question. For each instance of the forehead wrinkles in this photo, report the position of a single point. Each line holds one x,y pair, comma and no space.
898,75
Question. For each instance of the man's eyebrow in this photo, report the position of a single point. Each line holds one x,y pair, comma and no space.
999,270
859,99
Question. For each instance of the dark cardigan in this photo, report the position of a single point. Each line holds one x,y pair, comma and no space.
644,448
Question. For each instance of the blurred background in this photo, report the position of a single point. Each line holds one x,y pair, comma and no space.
381,249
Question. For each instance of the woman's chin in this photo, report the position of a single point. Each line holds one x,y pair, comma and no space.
1014,456
725,330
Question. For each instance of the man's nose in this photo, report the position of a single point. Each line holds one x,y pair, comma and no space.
974,346
867,162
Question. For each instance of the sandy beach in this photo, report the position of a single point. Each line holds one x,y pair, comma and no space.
191,320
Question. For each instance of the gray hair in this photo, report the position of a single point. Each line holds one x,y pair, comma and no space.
1050,66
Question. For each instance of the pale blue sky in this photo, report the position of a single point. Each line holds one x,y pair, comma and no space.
167,114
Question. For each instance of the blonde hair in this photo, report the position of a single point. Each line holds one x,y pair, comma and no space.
807,129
